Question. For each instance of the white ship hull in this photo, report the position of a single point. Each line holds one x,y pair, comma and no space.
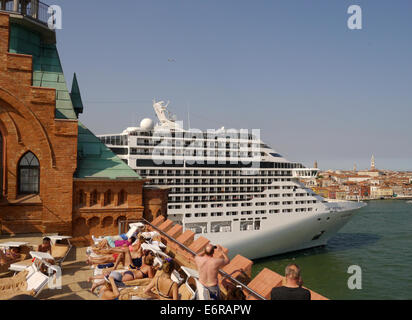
286,233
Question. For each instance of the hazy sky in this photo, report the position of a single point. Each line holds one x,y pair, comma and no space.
317,90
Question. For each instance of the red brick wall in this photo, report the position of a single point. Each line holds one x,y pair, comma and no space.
27,124
102,217
155,203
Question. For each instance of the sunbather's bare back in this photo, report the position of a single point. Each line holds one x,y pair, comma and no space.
208,267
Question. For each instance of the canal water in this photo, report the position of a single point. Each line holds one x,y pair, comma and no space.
378,239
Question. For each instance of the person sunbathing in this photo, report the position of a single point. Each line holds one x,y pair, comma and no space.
110,290
10,255
112,254
145,271
109,242
164,286
131,256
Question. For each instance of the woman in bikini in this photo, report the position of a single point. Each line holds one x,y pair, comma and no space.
111,255
145,271
164,286
132,256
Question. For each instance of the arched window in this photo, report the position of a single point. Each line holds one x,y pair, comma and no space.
122,198
81,199
29,174
108,197
94,198
1,165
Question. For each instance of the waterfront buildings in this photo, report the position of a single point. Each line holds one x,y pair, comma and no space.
363,185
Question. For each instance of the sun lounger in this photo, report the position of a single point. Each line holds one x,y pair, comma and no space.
186,292
156,250
133,228
29,281
60,251
20,266
24,253
193,276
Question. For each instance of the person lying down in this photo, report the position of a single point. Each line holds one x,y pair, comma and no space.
160,287
146,270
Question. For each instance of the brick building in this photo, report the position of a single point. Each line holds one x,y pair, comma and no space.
55,175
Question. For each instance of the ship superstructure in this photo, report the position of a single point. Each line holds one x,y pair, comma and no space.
230,186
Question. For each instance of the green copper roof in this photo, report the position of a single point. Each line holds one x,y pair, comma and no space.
47,69
95,160
76,97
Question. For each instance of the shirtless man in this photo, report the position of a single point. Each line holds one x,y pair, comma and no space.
208,268
45,246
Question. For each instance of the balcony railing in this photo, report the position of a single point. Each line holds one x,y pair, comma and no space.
36,10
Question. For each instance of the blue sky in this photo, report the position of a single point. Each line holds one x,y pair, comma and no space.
317,90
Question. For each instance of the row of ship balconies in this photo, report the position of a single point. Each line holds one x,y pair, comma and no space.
212,198
153,174
123,140
246,204
206,182
194,152
234,191
211,173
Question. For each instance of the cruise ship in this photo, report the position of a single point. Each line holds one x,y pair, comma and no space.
231,187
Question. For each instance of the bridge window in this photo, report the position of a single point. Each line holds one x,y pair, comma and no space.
29,174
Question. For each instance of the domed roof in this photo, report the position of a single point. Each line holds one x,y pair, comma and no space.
147,124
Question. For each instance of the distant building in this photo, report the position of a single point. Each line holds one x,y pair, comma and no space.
381,192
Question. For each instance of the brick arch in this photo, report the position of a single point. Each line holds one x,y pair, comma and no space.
17,106
120,218
93,222
13,130
107,222
80,228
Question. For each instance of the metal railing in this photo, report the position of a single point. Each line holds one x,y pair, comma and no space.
40,14
122,225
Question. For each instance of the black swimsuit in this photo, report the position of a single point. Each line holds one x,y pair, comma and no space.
132,274
136,263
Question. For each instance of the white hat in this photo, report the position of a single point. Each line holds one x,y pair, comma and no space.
140,225
157,262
